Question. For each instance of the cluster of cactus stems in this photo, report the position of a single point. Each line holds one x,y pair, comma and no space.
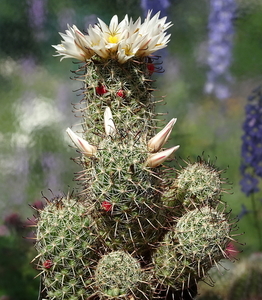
135,228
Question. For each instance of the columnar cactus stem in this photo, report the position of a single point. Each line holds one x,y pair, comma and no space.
133,230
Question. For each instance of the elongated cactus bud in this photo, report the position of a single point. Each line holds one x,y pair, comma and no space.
110,128
156,159
81,144
157,142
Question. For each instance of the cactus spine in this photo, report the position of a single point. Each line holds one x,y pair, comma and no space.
144,232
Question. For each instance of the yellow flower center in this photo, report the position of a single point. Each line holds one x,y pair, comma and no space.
128,52
113,39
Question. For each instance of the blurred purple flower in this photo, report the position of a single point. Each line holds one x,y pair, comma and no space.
244,211
249,184
37,16
90,20
66,16
155,5
220,44
251,166
14,221
28,66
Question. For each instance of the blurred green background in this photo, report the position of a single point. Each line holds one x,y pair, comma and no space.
36,95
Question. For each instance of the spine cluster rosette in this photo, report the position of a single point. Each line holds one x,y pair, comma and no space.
137,228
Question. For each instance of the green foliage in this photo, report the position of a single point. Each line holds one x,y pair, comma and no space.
22,41
15,271
242,280
247,54
247,281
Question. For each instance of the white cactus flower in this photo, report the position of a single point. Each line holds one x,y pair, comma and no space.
110,128
74,45
120,40
85,148
156,159
156,142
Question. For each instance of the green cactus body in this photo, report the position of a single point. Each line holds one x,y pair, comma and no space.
120,177
126,89
119,275
196,185
64,244
117,173
192,247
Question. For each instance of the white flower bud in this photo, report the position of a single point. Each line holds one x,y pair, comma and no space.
109,123
156,159
156,142
85,148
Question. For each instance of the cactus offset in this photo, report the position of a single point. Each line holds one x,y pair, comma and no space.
197,184
135,229
118,274
66,248
192,247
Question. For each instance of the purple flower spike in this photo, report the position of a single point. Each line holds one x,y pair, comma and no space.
155,5
220,44
251,167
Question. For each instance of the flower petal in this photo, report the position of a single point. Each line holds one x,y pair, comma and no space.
156,142
108,121
158,158
85,148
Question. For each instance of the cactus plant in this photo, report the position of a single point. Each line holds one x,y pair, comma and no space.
135,228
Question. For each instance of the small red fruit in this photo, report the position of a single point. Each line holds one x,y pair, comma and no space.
47,264
101,90
151,68
121,93
107,206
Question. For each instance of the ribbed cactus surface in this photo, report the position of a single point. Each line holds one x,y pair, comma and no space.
136,228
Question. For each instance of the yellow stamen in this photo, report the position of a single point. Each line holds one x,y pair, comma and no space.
113,39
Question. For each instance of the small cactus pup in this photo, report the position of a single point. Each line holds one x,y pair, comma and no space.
189,250
66,249
197,184
119,275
